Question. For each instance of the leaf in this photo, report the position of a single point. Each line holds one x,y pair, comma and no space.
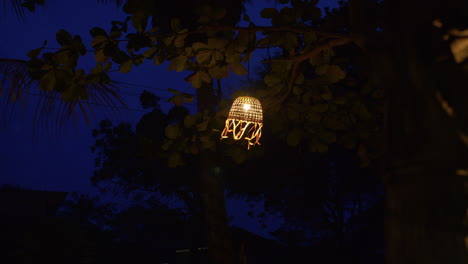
139,21
215,43
179,41
312,12
334,74
310,37
269,12
126,66
207,142
363,156
204,20
316,146
99,56
219,71
175,24
190,121
271,80
327,136
177,100
322,69
199,45
48,82
159,59
178,63
238,68
150,52
63,37
107,66
204,57
96,31
289,41
188,98
299,79
34,53
172,131
294,137
174,160
197,78
218,13
98,41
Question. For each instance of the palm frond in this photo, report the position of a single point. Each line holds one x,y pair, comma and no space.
14,82
116,2
51,110
19,7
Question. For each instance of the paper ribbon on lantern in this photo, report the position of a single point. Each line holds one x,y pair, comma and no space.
245,120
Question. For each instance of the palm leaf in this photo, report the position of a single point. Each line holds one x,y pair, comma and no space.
16,85
116,2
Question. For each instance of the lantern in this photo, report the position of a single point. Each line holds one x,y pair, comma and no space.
245,120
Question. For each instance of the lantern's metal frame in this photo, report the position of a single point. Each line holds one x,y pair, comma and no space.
245,120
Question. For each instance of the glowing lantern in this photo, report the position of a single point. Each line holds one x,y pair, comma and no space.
245,120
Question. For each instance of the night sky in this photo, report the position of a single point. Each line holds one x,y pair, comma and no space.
61,160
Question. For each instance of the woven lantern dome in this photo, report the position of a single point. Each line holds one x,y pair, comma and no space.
245,120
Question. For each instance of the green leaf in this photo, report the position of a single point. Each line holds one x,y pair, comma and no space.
99,56
190,121
204,57
159,59
320,108
178,63
327,136
139,21
289,41
334,74
312,12
299,79
179,41
271,80
96,31
310,37
172,131
177,100
188,98
150,52
199,45
98,41
316,146
322,69
218,13
238,68
269,12
174,160
107,66
126,66
203,20
175,24
215,43
63,37
219,71
294,137
48,82
34,53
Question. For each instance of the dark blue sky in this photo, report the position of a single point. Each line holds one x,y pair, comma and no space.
62,160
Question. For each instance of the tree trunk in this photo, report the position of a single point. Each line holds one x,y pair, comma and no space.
220,248
426,206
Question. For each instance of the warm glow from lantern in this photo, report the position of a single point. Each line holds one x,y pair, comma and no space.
245,121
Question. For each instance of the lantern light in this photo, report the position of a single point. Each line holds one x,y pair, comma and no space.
245,120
